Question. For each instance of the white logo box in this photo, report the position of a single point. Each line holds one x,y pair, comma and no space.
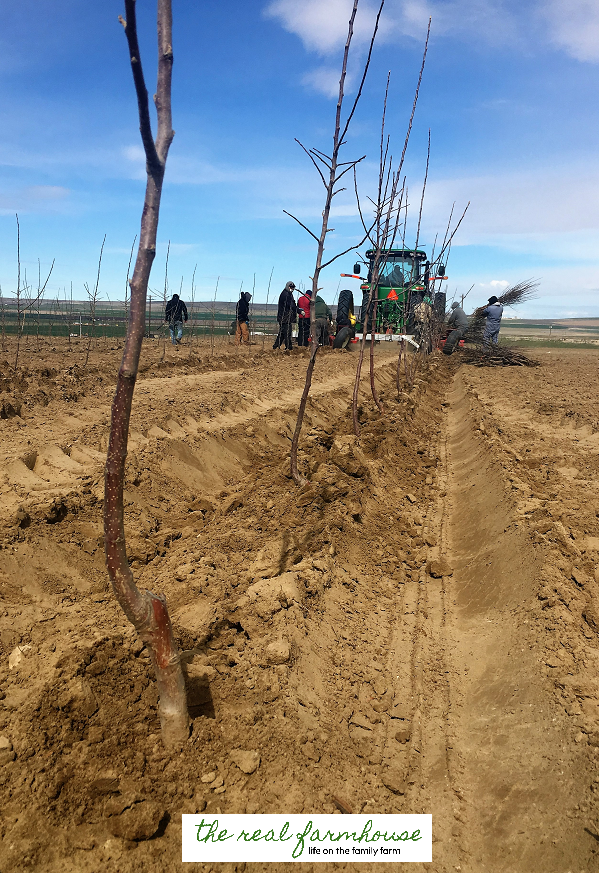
301,838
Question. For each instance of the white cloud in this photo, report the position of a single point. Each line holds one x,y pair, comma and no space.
135,154
34,198
325,80
546,201
573,25
322,24
46,192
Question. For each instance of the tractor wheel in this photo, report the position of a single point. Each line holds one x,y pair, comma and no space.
345,307
343,338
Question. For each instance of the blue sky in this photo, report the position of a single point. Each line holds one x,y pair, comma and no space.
510,93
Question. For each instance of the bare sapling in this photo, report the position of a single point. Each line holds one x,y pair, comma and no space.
38,304
265,326
146,611
24,298
334,170
192,307
69,313
92,297
54,311
426,331
165,325
383,232
213,316
3,321
251,321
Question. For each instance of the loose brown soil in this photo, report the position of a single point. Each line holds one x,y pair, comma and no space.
415,631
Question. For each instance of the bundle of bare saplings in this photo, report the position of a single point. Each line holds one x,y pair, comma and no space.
491,355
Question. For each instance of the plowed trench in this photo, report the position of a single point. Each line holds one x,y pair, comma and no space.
519,769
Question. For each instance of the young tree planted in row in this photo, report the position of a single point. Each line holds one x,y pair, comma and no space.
92,297
383,231
330,176
24,299
146,611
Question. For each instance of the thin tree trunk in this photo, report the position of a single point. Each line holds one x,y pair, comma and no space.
402,344
358,375
375,395
146,611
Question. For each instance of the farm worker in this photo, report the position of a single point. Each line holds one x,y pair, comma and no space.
324,320
493,313
242,316
174,314
458,320
303,308
286,316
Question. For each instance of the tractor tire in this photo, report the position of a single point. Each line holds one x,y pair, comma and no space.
365,301
439,305
345,307
343,338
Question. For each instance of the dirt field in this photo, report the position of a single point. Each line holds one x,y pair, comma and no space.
417,631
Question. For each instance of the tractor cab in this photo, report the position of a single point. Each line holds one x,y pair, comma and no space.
402,284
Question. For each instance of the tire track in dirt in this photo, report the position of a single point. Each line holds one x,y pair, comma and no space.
520,778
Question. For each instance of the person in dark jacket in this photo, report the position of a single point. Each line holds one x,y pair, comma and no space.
493,313
174,315
286,316
303,311
242,316
324,321
458,321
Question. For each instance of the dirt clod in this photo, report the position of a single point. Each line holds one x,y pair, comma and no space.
247,761
139,822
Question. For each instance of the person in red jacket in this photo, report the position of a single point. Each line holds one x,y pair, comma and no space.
303,307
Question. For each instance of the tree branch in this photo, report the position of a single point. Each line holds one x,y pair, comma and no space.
407,139
366,66
350,249
318,170
455,230
162,97
303,225
145,125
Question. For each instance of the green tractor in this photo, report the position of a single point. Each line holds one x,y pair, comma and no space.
404,282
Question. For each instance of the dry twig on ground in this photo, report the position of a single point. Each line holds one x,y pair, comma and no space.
498,356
